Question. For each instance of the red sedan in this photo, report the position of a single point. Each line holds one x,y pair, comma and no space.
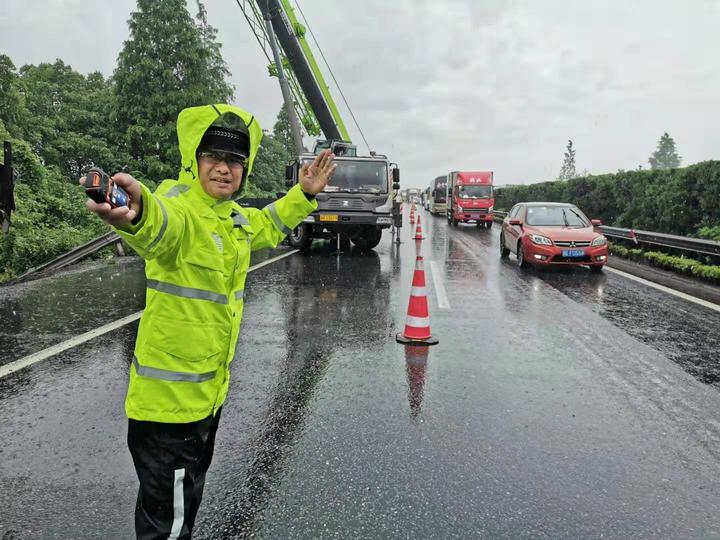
550,234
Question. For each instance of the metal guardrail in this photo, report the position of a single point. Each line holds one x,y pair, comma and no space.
685,243
75,254
96,244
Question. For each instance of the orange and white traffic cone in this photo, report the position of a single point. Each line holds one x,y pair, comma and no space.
418,231
412,214
417,324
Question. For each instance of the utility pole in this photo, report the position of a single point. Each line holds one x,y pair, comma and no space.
284,86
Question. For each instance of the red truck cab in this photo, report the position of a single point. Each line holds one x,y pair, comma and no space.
470,197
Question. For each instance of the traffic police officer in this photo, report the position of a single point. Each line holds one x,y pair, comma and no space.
196,242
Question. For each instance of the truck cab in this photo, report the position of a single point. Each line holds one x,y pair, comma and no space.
357,203
470,198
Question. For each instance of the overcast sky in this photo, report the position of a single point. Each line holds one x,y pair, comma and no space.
486,85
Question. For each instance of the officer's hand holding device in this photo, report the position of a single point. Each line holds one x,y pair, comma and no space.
116,199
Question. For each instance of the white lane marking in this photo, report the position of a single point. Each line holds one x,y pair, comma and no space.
663,288
26,361
274,259
440,291
31,359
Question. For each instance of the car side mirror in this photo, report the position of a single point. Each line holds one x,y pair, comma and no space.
396,176
396,186
289,172
596,222
515,222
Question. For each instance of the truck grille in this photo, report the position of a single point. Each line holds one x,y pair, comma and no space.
339,204
475,210
567,243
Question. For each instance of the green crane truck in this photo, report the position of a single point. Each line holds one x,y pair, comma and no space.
359,202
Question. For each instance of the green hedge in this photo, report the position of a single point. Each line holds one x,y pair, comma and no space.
681,265
681,201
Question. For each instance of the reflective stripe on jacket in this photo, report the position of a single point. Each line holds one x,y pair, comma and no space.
197,252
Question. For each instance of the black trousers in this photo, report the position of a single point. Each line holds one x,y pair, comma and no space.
171,461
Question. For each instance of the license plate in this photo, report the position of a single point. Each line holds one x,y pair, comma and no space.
328,217
573,253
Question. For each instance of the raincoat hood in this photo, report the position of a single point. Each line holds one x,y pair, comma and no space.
191,126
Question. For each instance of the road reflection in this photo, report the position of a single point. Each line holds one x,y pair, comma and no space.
416,358
335,305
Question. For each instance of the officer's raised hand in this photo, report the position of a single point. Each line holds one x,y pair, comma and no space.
314,177
122,215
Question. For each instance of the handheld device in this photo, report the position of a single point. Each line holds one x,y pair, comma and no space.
101,189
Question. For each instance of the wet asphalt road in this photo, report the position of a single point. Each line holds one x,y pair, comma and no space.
557,404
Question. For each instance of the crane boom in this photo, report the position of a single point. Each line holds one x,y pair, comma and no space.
289,34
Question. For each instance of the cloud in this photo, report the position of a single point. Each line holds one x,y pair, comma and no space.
498,85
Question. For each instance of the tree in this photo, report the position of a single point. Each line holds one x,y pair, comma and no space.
276,151
283,134
70,119
215,61
166,65
268,174
665,157
568,167
12,105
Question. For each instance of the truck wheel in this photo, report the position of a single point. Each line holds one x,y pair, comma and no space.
454,222
449,218
301,237
488,224
367,239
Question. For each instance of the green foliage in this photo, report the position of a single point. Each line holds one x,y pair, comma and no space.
166,65
568,167
12,102
710,233
680,265
50,218
268,175
665,157
70,122
283,134
276,150
674,201
60,122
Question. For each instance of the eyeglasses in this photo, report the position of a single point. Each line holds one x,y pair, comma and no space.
231,160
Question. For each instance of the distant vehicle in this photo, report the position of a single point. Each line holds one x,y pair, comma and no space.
436,202
470,197
426,198
413,195
549,234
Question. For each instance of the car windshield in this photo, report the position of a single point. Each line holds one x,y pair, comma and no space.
475,192
556,216
358,177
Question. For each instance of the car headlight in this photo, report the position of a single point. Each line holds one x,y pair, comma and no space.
460,208
599,241
491,209
539,239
